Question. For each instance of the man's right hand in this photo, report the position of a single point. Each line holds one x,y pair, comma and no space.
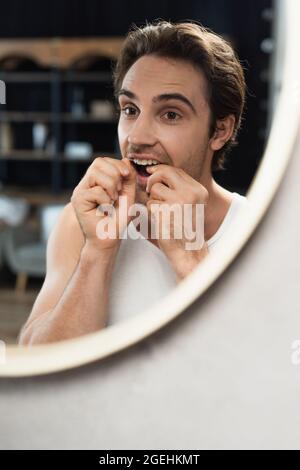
104,182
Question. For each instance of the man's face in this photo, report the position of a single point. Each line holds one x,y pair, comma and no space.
171,131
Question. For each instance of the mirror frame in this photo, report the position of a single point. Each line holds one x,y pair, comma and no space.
49,358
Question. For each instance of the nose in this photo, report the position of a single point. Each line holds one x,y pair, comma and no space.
142,132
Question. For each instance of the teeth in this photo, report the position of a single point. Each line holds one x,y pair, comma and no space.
145,162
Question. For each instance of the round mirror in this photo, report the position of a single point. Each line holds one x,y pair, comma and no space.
196,123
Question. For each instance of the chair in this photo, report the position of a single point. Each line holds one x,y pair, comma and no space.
25,248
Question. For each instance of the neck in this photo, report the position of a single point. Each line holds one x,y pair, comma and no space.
217,207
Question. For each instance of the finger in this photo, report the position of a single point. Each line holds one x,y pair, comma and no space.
164,174
132,173
127,171
153,206
124,166
99,178
161,192
103,165
120,165
153,201
87,199
111,167
99,195
103,173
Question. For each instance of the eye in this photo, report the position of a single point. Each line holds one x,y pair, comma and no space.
173,116
129,109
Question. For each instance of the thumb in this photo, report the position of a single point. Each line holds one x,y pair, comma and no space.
129,190
132,171
129,181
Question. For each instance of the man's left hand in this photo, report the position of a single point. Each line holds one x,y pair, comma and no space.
168,185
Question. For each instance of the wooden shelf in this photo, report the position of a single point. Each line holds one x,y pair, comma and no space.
68,117
20,116
25,155
48,77
63,64
28,155
61,52
26,77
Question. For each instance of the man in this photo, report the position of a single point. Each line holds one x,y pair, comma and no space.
181,92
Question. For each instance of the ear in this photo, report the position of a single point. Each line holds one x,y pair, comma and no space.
223,132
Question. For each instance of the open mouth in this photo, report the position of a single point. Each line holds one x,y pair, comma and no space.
141,169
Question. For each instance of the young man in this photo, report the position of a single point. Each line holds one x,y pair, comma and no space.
181,92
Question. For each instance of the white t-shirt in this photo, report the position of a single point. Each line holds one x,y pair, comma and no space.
238,202
142,274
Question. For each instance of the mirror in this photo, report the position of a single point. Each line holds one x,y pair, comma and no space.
150,281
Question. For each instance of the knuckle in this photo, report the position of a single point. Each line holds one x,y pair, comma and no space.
74,195
90,171
181,200
101,193
97,164
155,189
111,185
116,175
123,165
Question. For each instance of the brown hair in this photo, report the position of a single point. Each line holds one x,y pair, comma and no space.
205,50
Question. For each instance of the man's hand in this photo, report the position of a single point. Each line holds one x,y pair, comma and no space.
169,185
104,182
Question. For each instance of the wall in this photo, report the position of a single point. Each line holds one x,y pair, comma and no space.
218,377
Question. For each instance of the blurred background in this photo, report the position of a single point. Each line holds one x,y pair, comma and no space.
56,60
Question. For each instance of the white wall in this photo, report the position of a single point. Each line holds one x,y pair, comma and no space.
218,377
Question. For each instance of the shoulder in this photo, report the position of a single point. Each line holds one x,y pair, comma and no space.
66,239
240,202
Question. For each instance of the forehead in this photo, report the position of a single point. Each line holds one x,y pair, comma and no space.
151,75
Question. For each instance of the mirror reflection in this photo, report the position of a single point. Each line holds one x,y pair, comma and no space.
125,157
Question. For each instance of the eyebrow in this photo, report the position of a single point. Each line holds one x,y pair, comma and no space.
159,98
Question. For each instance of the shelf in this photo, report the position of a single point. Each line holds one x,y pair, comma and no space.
19,116
62,52
48,77
63,65
25,155
99,77
68,117
28,155
26,77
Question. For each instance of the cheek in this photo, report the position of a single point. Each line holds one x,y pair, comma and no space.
122,134
179,143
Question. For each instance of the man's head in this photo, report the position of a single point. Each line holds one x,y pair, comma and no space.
196,127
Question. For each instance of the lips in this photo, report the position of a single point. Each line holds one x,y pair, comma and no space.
142,156
141,169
